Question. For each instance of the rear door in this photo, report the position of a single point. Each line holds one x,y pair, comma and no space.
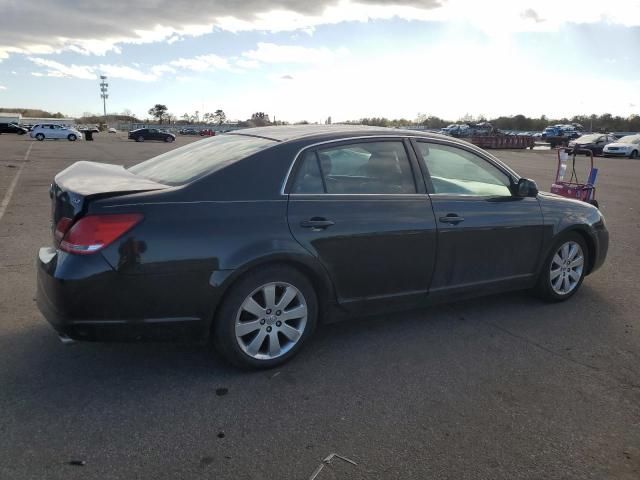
153,134
358,207
486,236
59,131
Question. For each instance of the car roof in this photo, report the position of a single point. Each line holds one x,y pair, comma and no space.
287,133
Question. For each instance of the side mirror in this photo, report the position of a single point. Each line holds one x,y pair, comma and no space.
526,188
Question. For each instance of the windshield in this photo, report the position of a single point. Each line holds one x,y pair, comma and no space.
588,138
186,164
629,139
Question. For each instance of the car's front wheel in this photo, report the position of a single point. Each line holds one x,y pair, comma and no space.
72,137
564,269
634,154
40,137
168,139
266,317
140,138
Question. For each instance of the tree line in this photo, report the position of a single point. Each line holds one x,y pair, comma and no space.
597,123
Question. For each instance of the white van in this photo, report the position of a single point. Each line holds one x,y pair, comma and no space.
50,130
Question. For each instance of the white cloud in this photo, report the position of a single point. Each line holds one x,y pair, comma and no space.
248,64
159,70
355,86
272,53
57,69
124,72
13,72
88,28
2,87
37,74
202,63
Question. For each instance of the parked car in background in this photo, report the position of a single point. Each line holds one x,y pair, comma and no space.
628,146
593,141
113,130
12,128
248,238
44,131
142,134
188,131
207,132
564,131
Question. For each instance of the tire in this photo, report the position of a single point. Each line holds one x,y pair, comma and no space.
40,137
168,139
252,349
634,154
72,137
547,288
140,139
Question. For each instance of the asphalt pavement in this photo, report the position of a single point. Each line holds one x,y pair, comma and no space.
504,387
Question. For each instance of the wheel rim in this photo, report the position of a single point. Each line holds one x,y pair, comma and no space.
566,268
271,321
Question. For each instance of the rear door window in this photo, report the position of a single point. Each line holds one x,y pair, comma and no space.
308,178
366,168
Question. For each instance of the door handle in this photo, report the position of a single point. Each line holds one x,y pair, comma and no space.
317,223
452,218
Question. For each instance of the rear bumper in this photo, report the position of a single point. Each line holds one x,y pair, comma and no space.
83,298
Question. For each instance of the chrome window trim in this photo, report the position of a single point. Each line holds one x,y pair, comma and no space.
444,141
403,195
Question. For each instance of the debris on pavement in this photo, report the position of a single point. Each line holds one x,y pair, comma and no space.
327,461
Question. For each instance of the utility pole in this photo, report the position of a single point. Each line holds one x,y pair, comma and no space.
104,95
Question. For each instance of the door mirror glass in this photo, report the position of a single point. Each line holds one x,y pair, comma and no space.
526,188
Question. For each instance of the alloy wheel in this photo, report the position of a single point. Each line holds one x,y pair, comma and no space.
271,320
566,268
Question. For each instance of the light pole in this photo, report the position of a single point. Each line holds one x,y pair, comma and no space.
104,95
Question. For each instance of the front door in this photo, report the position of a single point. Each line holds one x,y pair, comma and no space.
487,237
358,208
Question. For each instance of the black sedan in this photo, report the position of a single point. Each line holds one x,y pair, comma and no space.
142,134
13,128
593,141
248,239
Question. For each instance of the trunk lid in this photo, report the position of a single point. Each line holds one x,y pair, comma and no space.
76,185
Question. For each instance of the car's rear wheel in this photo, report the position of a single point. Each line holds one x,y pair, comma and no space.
266,317
72,137
40,137
140,138
168,139
564,269
634,154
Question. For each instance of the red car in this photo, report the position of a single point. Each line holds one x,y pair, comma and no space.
207,132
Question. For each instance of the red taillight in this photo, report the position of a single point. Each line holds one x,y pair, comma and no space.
94,232
63,226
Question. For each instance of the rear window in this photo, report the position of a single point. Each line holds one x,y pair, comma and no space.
188,163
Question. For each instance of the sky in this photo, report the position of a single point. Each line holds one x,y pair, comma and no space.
300,60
